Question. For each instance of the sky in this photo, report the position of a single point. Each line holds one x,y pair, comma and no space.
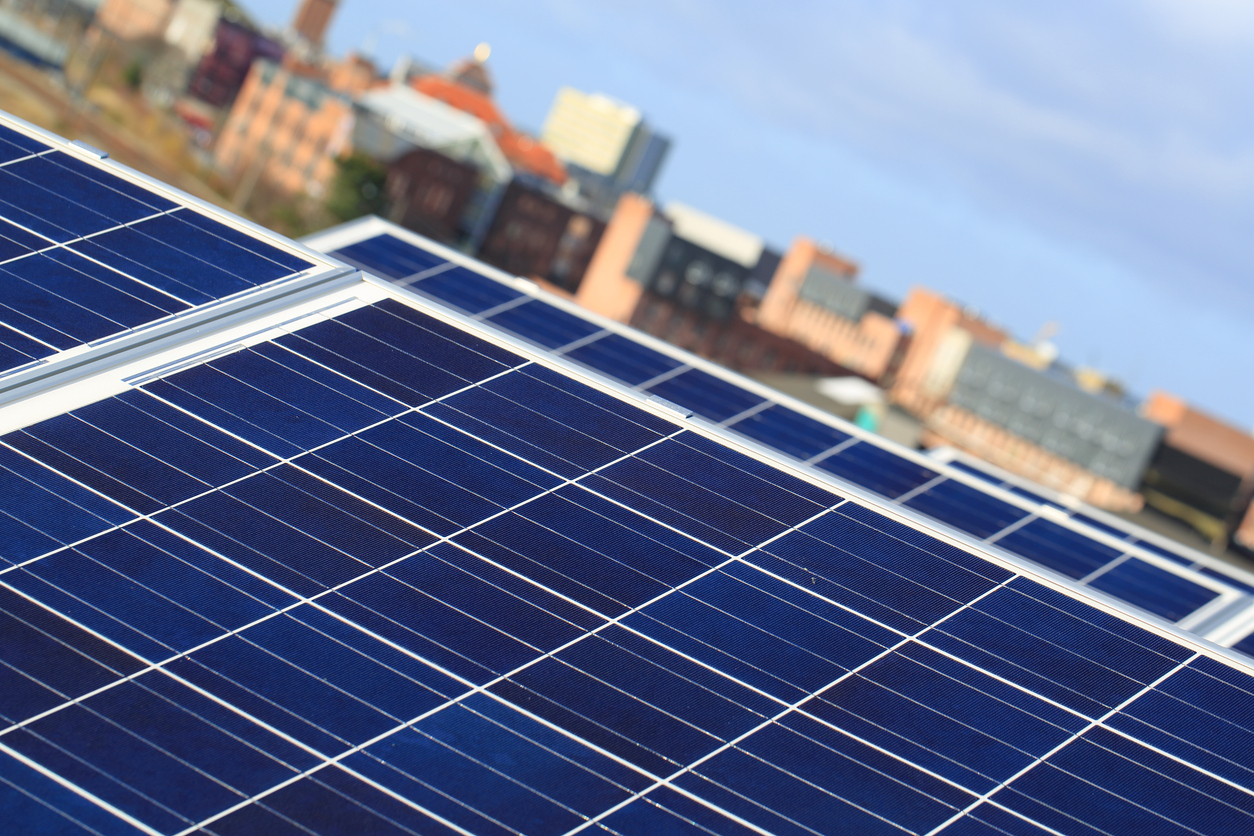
1085,162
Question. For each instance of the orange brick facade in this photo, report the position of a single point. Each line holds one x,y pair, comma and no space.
286,128
867,346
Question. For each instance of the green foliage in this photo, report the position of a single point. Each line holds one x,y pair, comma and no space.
133,75
357,188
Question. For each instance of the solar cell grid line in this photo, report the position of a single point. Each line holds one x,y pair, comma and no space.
583,662
944,493
785,710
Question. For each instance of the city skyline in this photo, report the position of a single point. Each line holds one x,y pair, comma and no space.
1085,167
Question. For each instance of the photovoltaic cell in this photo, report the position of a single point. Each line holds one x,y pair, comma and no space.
389,257
790,432
1151,588
878,469
706,395
966,508
465,290
15,145
618,357
1059,548
543,324
405,623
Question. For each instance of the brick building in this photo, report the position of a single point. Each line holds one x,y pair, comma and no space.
289,123
428,192
695,281
814,298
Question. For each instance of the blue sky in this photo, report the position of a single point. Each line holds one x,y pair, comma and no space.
1090,163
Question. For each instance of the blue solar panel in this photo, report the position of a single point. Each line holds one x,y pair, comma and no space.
390,257
392,577
1151,588
87,255
966,508
880,470
1173,592
643,628
15,145
790,432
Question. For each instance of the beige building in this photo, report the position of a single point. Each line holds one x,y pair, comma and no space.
590,130
689,278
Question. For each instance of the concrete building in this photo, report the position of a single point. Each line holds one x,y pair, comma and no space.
467,86
192,26
974,388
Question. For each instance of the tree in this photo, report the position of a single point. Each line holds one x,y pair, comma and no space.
357,188
133,75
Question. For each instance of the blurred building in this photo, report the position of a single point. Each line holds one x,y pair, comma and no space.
607,146
719,290
815,299
1203,473
694,280
535,234
289,124
134,20
444,164
434,129
467,86
191,26
44,33
221,70
428,192
311,21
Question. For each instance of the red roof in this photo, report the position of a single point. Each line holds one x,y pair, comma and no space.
521,150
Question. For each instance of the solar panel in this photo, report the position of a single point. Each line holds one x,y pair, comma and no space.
359,564
1013,515
89,255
